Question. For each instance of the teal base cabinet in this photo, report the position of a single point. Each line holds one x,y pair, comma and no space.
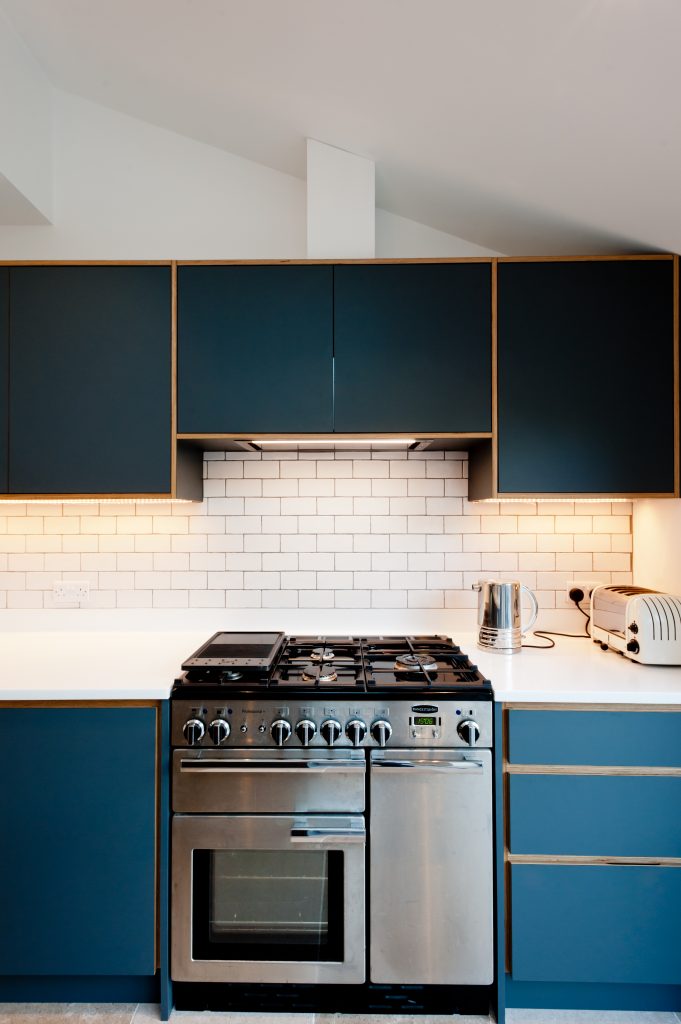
590,902
606,924
78,853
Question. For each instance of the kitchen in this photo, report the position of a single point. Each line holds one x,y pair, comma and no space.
316,479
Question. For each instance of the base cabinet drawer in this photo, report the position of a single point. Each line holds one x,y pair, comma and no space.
610,924
596,815
627,738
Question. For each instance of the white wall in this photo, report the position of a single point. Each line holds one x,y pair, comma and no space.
25,134
341,203
125,189
399,236
657,544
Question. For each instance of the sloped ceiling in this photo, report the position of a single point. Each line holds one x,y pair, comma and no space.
525,126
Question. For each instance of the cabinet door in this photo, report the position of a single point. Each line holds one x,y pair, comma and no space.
586,376
595,815
4,383
77,841
413,348
255,349
632,738
90,352
610,924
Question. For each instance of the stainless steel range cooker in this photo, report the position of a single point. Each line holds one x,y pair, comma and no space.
332,822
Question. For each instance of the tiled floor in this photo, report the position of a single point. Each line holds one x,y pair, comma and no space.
129,1013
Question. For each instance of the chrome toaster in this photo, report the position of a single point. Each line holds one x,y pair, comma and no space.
642,624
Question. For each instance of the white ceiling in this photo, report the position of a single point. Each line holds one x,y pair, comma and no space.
521,125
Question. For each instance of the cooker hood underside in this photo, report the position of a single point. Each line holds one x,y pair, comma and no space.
334,442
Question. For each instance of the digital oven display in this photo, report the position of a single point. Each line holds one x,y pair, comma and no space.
425,720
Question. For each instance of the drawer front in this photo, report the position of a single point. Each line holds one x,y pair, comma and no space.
596,815
635,738
596,924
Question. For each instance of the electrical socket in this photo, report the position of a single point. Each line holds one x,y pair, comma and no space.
588,586
71,592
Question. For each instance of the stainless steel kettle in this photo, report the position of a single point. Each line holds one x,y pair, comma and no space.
500,614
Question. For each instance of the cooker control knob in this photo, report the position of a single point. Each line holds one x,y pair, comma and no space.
305,730
281,731
381,731
330,730
355,730
219,731
469,731
194,731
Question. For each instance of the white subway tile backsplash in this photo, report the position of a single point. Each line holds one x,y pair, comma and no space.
388,598
312,530
353,487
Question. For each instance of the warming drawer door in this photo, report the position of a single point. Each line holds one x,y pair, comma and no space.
431,867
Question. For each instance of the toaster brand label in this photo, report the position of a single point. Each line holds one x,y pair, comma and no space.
424,709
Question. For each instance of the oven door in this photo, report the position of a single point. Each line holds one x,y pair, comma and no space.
268,898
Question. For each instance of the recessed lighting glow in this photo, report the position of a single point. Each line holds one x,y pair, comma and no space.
95,501
268,442
539,501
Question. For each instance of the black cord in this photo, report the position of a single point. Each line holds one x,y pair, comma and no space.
546,634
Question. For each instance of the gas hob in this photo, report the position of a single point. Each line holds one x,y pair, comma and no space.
357,666
331,691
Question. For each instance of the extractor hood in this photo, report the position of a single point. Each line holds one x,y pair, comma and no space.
258,442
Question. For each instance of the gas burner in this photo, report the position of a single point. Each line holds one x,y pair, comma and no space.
322,654
231,676
415,663
311,674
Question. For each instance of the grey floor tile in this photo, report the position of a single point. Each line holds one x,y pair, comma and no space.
73,1013
147,1013
380,1018
589,1017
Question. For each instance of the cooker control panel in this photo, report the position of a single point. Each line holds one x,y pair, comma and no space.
246,723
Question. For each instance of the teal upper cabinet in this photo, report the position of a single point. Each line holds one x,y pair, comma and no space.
586,384
413,347
255,349
90,362
4,383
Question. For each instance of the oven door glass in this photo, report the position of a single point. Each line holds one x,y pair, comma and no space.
267,904
268,898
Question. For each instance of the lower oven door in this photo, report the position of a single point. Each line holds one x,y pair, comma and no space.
268,898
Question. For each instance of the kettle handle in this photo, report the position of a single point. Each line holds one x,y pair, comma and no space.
535,609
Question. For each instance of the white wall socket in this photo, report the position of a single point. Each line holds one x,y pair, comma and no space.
71,592
588,586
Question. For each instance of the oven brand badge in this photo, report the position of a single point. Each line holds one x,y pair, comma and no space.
424,709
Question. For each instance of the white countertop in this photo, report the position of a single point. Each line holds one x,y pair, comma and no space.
47,665
575,671
110,665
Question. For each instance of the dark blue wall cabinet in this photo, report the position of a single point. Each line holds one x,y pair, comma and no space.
90,358
584,923
627,738
413,348
77,841
584,347
255,349
596,815
4,378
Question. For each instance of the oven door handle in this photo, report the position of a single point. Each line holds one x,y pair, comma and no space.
327,835
271,767
425,765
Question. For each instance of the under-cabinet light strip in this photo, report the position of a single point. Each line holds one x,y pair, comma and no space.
538,501
356,442
95,501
